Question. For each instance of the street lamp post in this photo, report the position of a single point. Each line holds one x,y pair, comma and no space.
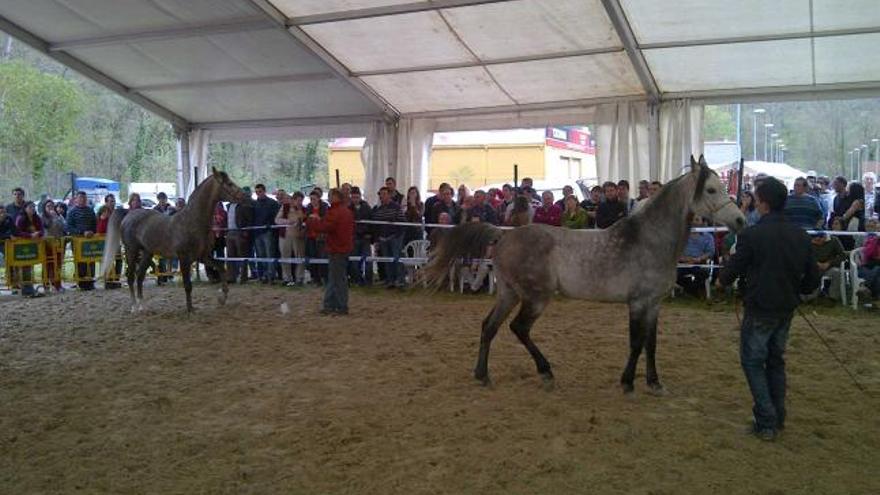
755,114
766,138
857,158
876,151
773,145
779,148
851,156
859,171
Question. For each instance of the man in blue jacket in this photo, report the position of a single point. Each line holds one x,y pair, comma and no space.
81,221
775,264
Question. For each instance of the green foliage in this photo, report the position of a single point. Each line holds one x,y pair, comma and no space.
719,124
38,122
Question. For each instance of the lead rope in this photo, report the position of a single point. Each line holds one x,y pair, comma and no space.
831,351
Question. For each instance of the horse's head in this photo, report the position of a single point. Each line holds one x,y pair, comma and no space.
710,197
229,191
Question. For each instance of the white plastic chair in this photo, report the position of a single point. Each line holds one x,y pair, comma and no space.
415,249
855,261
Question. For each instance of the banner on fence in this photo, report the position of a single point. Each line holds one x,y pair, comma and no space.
25,252
88,249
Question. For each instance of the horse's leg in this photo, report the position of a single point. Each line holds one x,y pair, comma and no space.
652,312
131,262
220,268
145,262
638,318
186,271
504,304
522,325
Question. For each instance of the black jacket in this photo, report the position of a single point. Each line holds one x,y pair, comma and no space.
775,260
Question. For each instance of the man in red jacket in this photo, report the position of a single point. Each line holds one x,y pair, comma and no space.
338,225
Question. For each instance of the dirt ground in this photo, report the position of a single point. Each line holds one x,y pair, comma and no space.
243,399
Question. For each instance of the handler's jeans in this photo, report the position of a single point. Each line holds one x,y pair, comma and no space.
336,290
762,345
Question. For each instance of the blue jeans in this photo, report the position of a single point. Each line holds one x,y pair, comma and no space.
762,346
391,248
361,248
336,290
265,244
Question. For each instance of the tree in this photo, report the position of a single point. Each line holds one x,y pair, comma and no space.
719,124
38,123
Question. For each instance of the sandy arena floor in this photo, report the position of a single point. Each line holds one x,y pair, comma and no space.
240,399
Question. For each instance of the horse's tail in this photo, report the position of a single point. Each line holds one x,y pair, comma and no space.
469,240
111,243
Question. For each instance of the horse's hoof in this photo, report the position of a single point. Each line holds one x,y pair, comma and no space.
628,389
548,383
657,389
134,310
484,380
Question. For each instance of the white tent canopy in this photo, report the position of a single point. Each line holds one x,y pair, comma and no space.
289,68
782,171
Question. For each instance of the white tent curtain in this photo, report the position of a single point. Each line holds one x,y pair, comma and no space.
622,141
681,135
198,159
378,155
415,138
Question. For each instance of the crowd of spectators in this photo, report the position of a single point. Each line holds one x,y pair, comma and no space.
271,228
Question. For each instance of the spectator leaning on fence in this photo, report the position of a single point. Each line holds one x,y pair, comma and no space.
239,216
291,239
7,228
803,209
338,227
265,210
361,273
396,196
315,239
390,237
591,205
81,222
28,226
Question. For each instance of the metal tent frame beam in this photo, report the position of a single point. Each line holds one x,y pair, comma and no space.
311,45
243,81
836,91
252,23
760,38
296,122
484,63
90,72
366,13
625,33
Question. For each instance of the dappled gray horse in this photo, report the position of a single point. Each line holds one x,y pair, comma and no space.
186,236
633,261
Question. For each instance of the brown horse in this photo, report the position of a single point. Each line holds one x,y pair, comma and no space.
186,236
633,261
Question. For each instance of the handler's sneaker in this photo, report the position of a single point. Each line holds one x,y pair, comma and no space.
765,434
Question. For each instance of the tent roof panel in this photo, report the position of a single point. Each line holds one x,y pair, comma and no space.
571,78
561,26
853,14
847,58
418,39
208,58
57,20
264,101
297,8
439,89
658,21
740,65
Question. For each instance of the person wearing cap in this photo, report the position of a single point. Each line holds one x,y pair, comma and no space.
775,264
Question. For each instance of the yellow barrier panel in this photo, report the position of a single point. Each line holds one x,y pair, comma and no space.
87,251
19,255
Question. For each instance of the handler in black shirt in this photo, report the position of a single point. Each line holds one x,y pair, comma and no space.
775,264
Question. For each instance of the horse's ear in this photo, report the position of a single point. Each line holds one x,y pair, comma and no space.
703,161
695,167
215,172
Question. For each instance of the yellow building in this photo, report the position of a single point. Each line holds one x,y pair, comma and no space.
487,157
